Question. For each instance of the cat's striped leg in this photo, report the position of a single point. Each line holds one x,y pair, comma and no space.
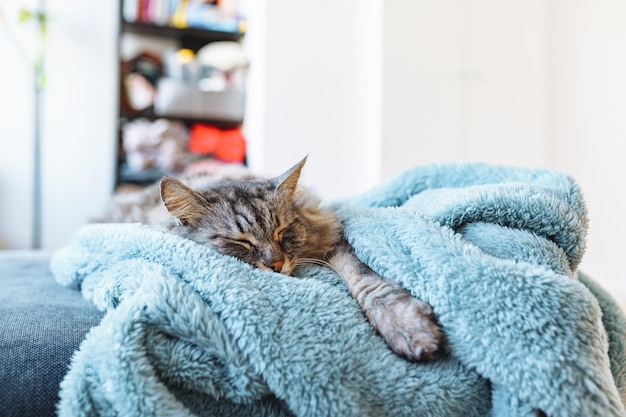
406,323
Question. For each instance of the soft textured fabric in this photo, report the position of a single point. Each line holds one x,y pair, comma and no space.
41,325
493,249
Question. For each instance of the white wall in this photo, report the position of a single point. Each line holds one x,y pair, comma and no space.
16,106
422,91
463,80
80,116
78,125
587,122
505,70
314,85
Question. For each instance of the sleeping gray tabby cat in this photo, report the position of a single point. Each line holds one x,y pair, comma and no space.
275,225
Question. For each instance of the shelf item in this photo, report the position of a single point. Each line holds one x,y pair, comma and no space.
228,145
158,144
139,77
209,84
153,148
179,98
220,16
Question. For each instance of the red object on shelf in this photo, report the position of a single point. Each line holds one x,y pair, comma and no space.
203,139
226,145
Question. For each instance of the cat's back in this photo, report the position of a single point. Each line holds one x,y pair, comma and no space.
136,204
205,180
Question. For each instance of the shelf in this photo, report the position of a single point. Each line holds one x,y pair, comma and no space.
150,29
220,123
144,177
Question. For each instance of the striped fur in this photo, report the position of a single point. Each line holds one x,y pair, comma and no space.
275,225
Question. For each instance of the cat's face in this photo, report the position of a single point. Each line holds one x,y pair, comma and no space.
256,220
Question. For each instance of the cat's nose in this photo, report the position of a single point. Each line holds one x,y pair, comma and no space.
276,266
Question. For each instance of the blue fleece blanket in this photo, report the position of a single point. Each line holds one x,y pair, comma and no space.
493,249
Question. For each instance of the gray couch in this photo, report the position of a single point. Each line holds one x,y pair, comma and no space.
41,325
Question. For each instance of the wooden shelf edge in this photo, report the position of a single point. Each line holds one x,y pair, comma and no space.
150,29
221,123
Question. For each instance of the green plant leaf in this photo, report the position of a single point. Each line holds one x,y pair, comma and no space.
24,15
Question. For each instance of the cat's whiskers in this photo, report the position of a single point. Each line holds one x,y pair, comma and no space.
313,261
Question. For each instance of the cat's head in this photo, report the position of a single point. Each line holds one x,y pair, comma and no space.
263,222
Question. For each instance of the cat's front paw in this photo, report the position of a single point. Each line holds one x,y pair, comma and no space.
407,325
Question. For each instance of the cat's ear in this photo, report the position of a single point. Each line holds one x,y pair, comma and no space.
182,202
288,182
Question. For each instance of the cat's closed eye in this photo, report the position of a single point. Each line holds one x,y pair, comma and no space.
243,242
279,233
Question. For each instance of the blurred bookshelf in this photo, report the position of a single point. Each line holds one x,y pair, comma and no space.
187,28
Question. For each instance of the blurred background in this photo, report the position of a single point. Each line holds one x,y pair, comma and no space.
366,88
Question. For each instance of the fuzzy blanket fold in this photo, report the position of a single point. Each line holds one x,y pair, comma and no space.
493,249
